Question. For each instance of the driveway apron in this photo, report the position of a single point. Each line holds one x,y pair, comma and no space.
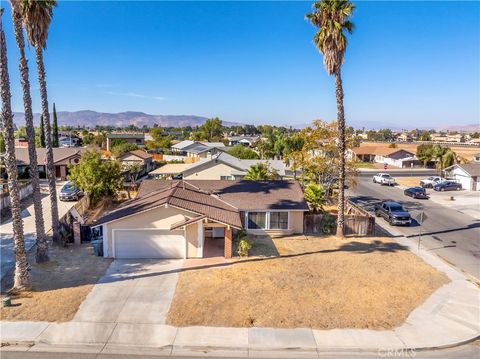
132,291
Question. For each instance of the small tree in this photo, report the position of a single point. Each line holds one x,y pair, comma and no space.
98,178
243,152
315,197
55,140
122,148
133,170
425,153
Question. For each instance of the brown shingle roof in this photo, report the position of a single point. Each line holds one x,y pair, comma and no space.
59,154
139,153
377,150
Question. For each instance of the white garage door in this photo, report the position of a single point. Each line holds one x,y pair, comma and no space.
146,243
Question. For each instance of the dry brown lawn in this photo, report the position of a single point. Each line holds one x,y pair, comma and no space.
58,287
318,282
409,181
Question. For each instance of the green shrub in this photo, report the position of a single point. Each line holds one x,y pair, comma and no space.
328,224
244,244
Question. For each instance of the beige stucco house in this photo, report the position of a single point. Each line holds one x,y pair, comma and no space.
197,219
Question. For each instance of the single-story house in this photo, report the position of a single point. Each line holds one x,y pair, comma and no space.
467,174
242,140
196,150
195,219
220,166
62,158
138,157
383,154
133,138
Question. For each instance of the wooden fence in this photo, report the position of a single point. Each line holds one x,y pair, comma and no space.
358,221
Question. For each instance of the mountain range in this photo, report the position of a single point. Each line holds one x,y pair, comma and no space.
88,118
91,119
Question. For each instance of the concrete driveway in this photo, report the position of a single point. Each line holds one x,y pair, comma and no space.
132,291
7,249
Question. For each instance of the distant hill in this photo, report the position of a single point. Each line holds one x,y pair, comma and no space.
461,128
123,119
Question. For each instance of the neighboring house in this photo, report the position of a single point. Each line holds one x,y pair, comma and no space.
248,141
140,157
220,166
404,137
69,141
196,219
133,138
21,142
62,158
474,141
196,150
476,157
447,138
383,154
467,174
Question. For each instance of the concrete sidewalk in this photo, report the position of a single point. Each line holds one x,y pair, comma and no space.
449,317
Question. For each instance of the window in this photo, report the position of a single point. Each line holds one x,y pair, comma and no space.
278,220
257,220
226,178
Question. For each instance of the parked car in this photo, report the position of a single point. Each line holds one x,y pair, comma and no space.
447,186
69,192
384,178
430,181
394,213
416,192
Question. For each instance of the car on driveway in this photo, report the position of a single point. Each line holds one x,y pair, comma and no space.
416,192
393,213
384,179
430,181
69,192
448,186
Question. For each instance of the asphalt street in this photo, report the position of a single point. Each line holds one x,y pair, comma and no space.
449,233
469,351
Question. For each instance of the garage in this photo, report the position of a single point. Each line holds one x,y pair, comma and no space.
148,243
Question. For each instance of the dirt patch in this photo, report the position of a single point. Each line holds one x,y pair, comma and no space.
58,287
318,282
409,181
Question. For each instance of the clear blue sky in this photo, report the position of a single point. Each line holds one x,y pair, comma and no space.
407,64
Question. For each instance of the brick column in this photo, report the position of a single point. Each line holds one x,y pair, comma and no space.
228,243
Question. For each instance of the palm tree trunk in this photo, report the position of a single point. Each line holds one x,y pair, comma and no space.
42,247
21,276
341,148
48,142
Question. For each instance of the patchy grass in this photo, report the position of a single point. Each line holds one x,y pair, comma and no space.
369,165
58,287
409,181
317,282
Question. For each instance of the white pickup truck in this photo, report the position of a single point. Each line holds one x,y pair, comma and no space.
384,179
431,181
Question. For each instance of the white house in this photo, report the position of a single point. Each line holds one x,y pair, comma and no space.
467,174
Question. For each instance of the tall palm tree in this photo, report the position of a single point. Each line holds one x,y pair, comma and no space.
332,19
439,153
37,16
42,247
22,276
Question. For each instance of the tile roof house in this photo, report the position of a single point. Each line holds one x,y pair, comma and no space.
383,154
196,150
220,166
468,174
183,219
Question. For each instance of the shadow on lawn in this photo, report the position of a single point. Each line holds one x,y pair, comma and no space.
354,247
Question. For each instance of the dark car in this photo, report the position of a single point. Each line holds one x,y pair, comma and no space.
69,192
394,213
448,186
416,192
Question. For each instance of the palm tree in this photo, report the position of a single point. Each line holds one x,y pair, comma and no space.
332,19
42,247
439,153
22,276
261,172
37,16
